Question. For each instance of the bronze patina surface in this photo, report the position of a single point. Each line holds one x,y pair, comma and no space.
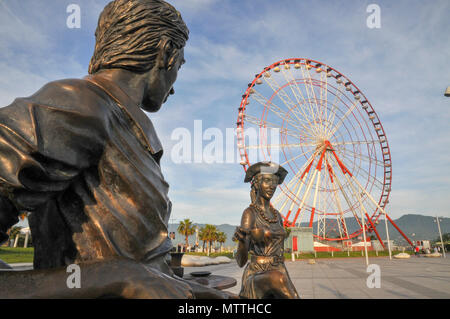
83,158
262,234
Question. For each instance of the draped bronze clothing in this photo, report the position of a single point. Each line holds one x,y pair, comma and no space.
267,256
84,160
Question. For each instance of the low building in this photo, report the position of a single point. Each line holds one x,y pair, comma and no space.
324,247
300,239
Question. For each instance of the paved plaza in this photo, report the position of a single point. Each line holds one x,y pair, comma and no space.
343,278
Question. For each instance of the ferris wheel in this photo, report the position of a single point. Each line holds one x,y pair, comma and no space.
330,139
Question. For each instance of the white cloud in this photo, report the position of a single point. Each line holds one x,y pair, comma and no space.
402,68
192,6
211,205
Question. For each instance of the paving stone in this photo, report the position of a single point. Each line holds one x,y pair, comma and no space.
346,278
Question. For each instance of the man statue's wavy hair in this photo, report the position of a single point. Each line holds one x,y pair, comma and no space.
129,34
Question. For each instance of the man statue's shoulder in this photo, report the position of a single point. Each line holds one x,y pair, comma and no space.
72,95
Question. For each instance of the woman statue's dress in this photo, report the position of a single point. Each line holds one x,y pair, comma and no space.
266,264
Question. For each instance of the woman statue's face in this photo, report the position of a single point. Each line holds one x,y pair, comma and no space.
267,185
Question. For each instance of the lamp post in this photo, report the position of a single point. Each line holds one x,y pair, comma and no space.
196,236
172,234
440,234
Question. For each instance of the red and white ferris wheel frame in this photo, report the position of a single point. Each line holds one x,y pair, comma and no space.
365,105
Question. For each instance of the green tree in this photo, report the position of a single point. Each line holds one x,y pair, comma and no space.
186,228
445,238
14,231
288,230
202,237
221,238
210,235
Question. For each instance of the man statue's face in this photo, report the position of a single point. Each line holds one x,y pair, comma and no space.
160,85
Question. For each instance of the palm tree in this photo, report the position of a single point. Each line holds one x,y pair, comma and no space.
288,230
186,228
210,232
221,238
14,233
202,236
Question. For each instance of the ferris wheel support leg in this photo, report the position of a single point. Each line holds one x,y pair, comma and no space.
349,175
318,168
399,230
286,219
381,209
364,226
305,196
299,188
303,200
375,230
315,200
312,217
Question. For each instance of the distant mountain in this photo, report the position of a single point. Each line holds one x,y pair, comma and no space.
414,226
417,227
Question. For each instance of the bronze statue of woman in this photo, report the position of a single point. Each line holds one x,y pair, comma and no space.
262,235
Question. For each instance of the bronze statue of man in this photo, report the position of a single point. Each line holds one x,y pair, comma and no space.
83,158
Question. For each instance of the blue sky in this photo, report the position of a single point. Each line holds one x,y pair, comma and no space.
403,68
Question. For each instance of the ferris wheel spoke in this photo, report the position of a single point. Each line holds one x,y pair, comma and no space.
309,103
308,189
330,173
298,215
324,97
342,151
344,224
357,142
283,97
318,185
309,80
315,199
343,192
303,171
310,91
258,97
379,184
297,156
340,213
291,145
342,119
363,210
333,109
260,123
299,185
350,177
320,106
299,180
303,181
366,175
382,210
296,92
275,110
288,186
321,207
